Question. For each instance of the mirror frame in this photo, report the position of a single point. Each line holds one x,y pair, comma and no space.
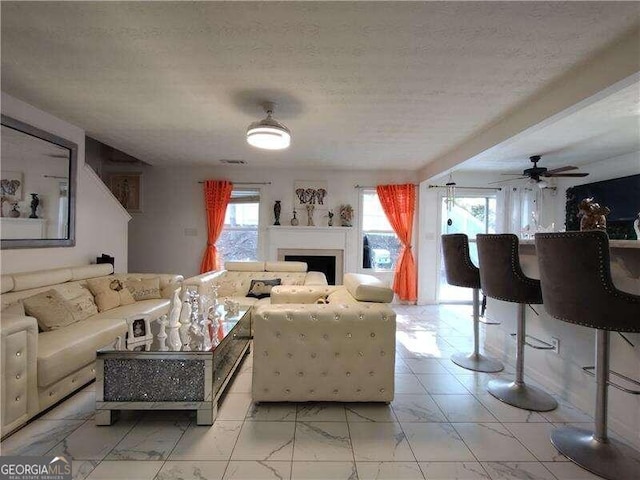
73,168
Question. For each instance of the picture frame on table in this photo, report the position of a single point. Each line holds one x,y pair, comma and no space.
139,331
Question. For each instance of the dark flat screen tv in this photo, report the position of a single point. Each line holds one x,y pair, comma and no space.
621,195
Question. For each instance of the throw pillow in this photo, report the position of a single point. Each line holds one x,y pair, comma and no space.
109,293
50,310
82,306
16,308
145,289
262,288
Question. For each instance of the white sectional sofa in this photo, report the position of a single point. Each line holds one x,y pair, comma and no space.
41,367
343,350
235,280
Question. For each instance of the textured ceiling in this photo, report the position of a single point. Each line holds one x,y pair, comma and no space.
361,85
604,129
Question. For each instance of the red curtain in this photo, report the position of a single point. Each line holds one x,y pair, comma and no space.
216,198
399,205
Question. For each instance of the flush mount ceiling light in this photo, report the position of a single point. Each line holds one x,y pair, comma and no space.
268,133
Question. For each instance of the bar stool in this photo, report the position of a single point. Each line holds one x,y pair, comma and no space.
577,288
501,278
461,272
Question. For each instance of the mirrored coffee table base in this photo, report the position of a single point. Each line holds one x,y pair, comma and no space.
171,380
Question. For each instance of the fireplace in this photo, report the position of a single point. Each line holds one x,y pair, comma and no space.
327,261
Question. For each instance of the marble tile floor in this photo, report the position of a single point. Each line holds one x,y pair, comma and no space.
442,425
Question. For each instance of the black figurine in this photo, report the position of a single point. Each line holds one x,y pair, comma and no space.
277,208
35,201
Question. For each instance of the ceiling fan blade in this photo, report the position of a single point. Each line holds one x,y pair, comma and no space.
560,169
506,180
511,174
567,175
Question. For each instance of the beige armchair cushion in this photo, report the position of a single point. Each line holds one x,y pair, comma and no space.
144,289
50,309
367,288
109,293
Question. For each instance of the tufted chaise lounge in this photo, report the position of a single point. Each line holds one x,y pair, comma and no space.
342,351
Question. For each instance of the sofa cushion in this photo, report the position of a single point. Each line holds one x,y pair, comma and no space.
40,278
230,288
153,308
109,293
341,296
50,310
6,283
285,266
144,289
367,288
16,308
262,288
63,351
83,305
244,266
91,271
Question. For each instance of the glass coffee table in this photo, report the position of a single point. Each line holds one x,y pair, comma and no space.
159,379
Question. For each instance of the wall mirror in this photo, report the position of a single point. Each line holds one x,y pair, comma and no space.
38,187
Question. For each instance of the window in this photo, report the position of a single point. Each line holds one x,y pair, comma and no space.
239,237
471,214
380,245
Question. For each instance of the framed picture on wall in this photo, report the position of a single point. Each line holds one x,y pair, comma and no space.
127,188
310,193
11,185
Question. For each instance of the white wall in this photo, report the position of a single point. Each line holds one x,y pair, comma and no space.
101,223
173,207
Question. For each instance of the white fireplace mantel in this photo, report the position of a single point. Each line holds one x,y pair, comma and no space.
312,238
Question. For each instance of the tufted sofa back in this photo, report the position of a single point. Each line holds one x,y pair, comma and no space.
70,282
342,353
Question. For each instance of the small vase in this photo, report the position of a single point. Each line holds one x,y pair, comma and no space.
14,213
294,220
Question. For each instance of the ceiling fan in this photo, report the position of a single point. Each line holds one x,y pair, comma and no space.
538,174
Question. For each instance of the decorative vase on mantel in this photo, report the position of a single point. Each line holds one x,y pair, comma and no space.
294,220
277,208
14,212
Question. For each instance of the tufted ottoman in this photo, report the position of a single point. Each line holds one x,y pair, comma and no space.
334,352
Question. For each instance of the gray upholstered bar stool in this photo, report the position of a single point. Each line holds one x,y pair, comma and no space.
577,288
502,278
461,272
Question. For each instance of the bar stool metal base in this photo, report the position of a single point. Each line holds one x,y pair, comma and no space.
612,460
522,396
477,362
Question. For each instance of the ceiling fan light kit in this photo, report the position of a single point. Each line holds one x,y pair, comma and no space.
268,133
